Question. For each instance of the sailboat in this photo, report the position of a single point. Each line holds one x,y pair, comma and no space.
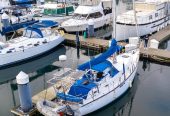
104,79
95,83
36,40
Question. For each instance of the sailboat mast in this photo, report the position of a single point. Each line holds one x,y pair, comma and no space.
135,17
114,19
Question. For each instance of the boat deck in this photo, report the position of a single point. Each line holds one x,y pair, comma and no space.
65,76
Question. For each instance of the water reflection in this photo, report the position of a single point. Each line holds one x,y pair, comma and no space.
146,64
32,65
36,68
122,106
165,44
148,96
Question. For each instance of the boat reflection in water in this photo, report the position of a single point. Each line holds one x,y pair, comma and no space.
165,44
34,64
122,106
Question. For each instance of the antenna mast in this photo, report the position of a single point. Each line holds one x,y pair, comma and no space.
135,17
114,19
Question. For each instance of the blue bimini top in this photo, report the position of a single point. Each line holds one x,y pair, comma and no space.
36,30
44,24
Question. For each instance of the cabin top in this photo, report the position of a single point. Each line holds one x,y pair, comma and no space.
88,9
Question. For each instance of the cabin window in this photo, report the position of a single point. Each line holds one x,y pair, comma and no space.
107,11
95,15
35,35
150,17
46,32
31,34
79,16
156,14
76,15
98,15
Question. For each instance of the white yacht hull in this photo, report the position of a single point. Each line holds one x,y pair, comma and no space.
14,57
125,31
108,97
81,25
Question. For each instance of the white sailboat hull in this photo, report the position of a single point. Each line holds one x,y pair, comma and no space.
14,57
109,97
124,31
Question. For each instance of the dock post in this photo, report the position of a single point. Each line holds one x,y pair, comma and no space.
24,91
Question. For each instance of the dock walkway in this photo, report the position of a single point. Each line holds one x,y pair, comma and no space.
157,54
161,35
101,45
94,43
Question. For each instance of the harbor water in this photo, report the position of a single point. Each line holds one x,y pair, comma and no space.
148,96
165,44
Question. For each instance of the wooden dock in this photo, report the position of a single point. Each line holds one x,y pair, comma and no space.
159,55
96,43
66,76
18,112
161,35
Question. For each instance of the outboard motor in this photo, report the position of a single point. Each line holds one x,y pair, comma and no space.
5,20
69,111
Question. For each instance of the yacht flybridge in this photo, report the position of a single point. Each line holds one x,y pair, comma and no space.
151,16
54,11
98,14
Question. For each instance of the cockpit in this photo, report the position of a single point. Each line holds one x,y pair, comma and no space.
36,33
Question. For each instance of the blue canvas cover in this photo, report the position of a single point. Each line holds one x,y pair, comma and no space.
113,48
113,71
102,66
24,3
44,24
16,26
81,90
36,30
68,97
